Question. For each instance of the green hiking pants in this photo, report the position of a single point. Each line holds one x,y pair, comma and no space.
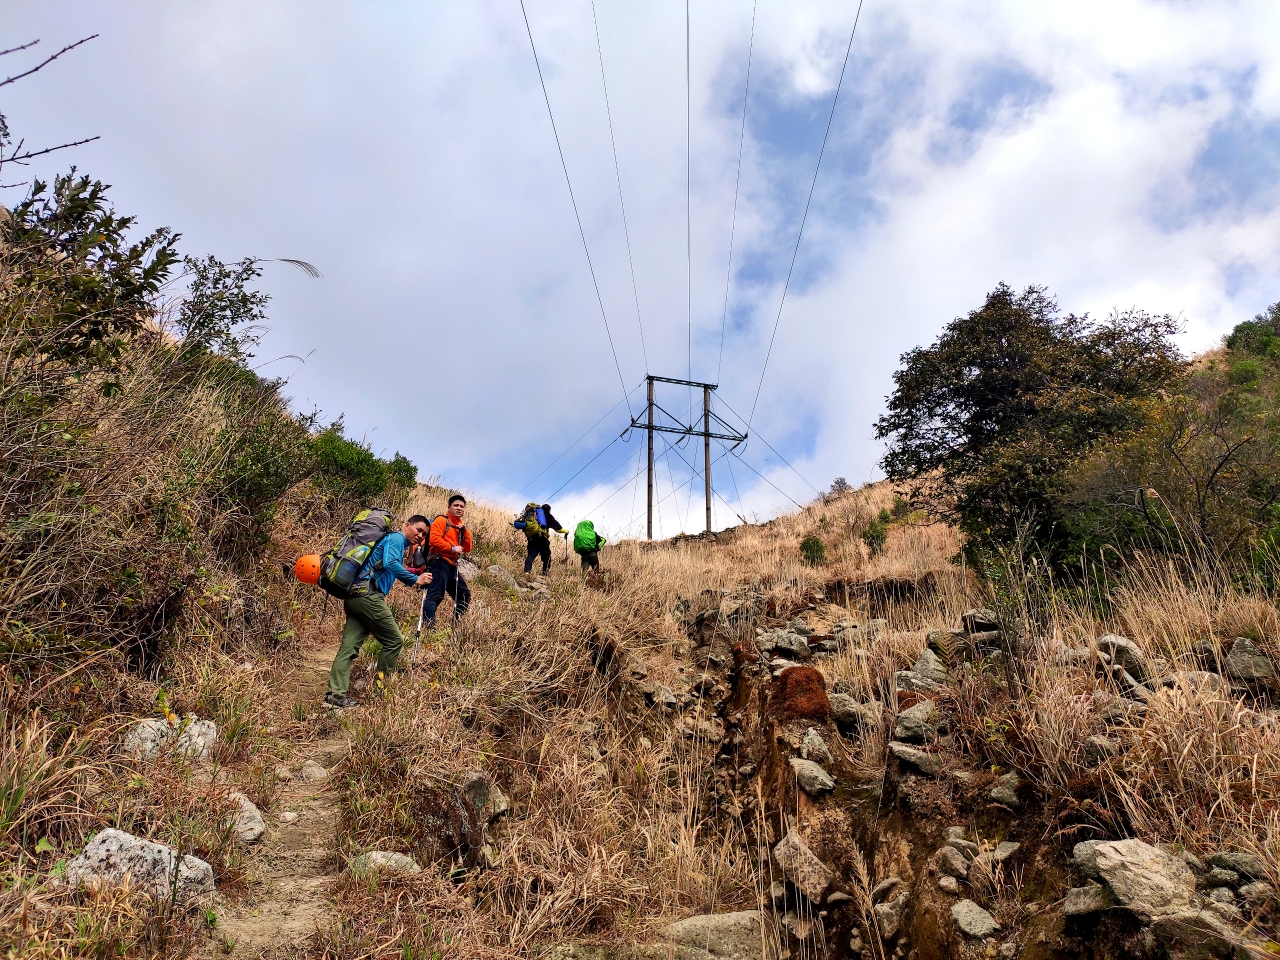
370,614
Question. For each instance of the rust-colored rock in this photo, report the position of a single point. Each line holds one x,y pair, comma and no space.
800,693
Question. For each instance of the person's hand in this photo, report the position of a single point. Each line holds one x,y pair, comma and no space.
456,549
423,580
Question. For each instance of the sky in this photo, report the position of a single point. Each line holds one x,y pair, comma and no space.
1120,154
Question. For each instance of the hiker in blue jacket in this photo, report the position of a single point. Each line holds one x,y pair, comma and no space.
537,524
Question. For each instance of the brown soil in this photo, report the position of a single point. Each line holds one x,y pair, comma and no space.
295,863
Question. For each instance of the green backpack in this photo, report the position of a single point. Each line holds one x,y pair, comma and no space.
585,539
340,567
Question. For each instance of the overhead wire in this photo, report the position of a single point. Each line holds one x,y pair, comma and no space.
771,483
733,225
617,169
579,440
572,199
804,219
688,198
757,433
589,462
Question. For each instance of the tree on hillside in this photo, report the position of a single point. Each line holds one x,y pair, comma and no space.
982,424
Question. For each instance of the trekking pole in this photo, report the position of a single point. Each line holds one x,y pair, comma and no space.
417,637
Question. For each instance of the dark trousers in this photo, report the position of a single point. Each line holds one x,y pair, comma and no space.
445,581
590,560
538,547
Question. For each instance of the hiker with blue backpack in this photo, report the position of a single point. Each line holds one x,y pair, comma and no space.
362,569
537,524
587,544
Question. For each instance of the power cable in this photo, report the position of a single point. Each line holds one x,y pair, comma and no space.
688,198
572,199
618,171
589,463
741,511
733,226
775,452
578,441
804,219
770,482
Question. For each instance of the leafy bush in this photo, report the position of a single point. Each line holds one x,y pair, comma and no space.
875,535
813,551
351,471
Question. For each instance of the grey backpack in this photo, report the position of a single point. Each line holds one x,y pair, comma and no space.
340,567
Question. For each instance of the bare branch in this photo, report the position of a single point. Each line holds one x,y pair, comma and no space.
21,157
41,66
16,49
302,265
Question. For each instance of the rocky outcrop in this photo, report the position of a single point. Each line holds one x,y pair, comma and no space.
384,861
736,935
118,859
1144,879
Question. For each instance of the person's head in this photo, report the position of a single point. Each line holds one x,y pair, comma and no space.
457,506
415,529
546,507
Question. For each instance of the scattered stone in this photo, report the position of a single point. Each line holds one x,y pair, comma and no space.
1126,654
1220,877
918,724
485,797
799,626
1004,850
467,569
1093,898
1226,911
719,934
785,644
1220,894
289,816
888,916
1008,951
777,892
1085,857
1245,864
1247,664
1098,750
247,820
913,682
980,620
948,884
1192,861
884,888
929,666
1197,681
1006,790
1146,880
973,921
312,772
746,770
952,863
838,898
114,858
812,778
966,847
197,738
799,927
1257,892
662,697
147,738
541,595
812,747
384,861
1194,935
502,575
956,833
987,640
856,946
916,758
799,865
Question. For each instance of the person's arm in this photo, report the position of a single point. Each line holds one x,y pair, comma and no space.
466,537
393,559
554,524
599,541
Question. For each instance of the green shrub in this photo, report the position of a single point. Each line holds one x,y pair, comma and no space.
875,535
813,551
351,471
1245,373
901,508
885,518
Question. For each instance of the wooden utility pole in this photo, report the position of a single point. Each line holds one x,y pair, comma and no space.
685,430
706,447
650,428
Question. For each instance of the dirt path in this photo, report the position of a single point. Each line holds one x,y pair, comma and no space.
295,865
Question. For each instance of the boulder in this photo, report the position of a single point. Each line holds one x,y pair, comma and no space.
851,716
502,575
973,921
1257,892
967,847
888,915
1196,681
197,738
467,569
1098,750
1126,654
384,861
916,758
114,858
247,822
799,626
147,738
1245,864
918,724
1085,857
885,887
812,778
980,620
785,644
1092,898
952,863
1006,790
1220,877
930,666
312,772
801,866
814,748
1247,664
913,682
1146,880
720,934
1004,850
1196,935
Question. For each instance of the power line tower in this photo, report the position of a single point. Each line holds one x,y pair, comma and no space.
676,426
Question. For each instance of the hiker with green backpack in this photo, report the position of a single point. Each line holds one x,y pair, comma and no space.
587,544
361,570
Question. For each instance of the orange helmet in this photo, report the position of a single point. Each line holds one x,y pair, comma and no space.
307,569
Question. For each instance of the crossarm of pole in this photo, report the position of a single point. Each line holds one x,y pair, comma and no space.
686,432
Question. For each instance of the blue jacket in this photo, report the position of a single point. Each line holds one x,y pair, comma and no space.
386,564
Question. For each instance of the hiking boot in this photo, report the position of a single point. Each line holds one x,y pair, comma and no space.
338,700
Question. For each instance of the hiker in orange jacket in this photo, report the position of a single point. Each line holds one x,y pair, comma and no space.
448,540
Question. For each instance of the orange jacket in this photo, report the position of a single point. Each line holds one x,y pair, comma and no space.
445,535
